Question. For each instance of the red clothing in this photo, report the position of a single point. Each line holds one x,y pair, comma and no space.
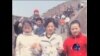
81,39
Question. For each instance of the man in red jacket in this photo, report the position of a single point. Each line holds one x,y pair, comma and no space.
76,44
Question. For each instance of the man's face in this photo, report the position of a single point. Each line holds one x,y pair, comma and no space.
50,28
36,13
38,22
75,29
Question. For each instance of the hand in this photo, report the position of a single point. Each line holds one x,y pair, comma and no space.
60,50
34,45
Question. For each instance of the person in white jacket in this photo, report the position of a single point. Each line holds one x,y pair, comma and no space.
27,43
51,43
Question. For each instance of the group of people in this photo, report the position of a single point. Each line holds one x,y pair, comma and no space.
50,44
37,37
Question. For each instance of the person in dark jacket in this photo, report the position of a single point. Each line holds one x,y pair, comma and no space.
17,28
40,28
35,15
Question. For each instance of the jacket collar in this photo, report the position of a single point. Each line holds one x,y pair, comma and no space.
77,35
51,38
28,34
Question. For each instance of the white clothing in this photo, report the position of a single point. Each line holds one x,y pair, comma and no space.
35,27
24,44
67,19
63,16
50,46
